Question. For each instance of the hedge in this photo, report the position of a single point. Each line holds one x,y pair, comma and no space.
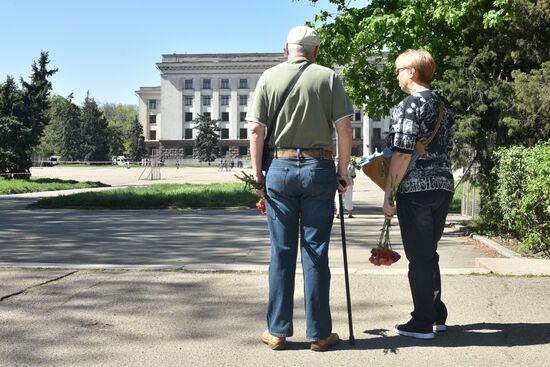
523,195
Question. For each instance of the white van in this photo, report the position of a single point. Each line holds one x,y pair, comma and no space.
121,160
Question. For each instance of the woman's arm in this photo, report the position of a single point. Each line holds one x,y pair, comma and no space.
398,168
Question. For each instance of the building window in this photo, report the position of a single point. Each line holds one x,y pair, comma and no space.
152,135
243,83
206,100
189,151
188,116
207,115
152,119
152,104
243,100
242,116
188,134
376,133
188,84
188,100
225,84
225,100
243,133
357,133
225,116
224,133
206,84
243,151
224,151
357,116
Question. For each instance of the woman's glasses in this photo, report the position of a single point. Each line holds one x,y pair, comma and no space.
398,70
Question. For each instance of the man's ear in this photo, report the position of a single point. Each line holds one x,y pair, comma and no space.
286,49
315,53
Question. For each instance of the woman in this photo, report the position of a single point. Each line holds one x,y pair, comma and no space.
424,185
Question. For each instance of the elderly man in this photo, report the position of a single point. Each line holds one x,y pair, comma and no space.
300,181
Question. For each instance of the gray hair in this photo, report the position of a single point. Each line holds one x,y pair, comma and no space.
307,51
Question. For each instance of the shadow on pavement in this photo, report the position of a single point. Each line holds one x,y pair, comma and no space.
479,335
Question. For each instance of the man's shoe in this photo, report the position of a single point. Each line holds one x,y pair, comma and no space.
274,342
323,344
350,216
414,331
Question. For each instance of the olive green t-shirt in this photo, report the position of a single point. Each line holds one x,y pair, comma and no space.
307,118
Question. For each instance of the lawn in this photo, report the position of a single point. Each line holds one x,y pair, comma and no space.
19,186
160,196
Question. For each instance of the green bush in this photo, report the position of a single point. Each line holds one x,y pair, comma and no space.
522,195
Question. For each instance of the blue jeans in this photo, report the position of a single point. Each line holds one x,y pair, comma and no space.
300,200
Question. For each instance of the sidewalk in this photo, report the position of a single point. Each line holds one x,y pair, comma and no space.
193,291
170,318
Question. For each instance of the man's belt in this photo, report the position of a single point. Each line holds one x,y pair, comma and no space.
301,153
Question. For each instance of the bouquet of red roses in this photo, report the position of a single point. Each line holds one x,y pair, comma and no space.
383,253
251,184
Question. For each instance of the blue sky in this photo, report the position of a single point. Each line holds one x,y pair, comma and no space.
110,47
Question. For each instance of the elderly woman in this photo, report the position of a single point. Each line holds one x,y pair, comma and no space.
420,171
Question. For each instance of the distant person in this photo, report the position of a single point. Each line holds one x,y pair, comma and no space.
425,187
347,197
300,182
177,164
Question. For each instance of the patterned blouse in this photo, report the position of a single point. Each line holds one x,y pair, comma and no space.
413,119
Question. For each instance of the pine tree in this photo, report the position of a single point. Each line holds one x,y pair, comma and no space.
137,142
94,131
23,117
206,143
11,126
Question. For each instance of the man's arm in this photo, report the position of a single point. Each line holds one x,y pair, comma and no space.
257,134
398,168
344,132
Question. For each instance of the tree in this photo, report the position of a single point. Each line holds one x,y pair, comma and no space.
50,142
137,144
11,110
23,122
71,138
367,40
206,143
120,118
95,141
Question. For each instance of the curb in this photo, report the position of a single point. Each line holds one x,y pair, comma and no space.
488,242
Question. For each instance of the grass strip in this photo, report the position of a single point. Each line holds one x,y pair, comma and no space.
20,186
456,204
159,196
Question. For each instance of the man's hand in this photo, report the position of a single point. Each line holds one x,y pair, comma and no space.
260,178
343,182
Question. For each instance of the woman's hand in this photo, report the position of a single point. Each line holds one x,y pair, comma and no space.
389,211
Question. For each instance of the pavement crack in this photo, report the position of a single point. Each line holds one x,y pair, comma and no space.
37,285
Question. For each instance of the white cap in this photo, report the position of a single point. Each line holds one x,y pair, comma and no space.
302,35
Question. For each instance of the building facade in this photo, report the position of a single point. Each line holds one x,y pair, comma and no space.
221,87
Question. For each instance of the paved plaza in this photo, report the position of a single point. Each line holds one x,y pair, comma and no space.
188,288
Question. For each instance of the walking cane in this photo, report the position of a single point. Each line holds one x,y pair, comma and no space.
343,230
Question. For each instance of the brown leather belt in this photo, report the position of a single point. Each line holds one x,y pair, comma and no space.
301,153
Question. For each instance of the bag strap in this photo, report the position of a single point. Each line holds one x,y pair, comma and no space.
282,101
437,124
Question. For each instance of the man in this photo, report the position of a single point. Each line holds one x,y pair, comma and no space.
300,182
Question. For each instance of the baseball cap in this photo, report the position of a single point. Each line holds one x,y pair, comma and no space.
302,35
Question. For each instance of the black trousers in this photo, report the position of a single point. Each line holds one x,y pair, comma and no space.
422,220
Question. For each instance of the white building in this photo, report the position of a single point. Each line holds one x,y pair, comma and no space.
220,86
